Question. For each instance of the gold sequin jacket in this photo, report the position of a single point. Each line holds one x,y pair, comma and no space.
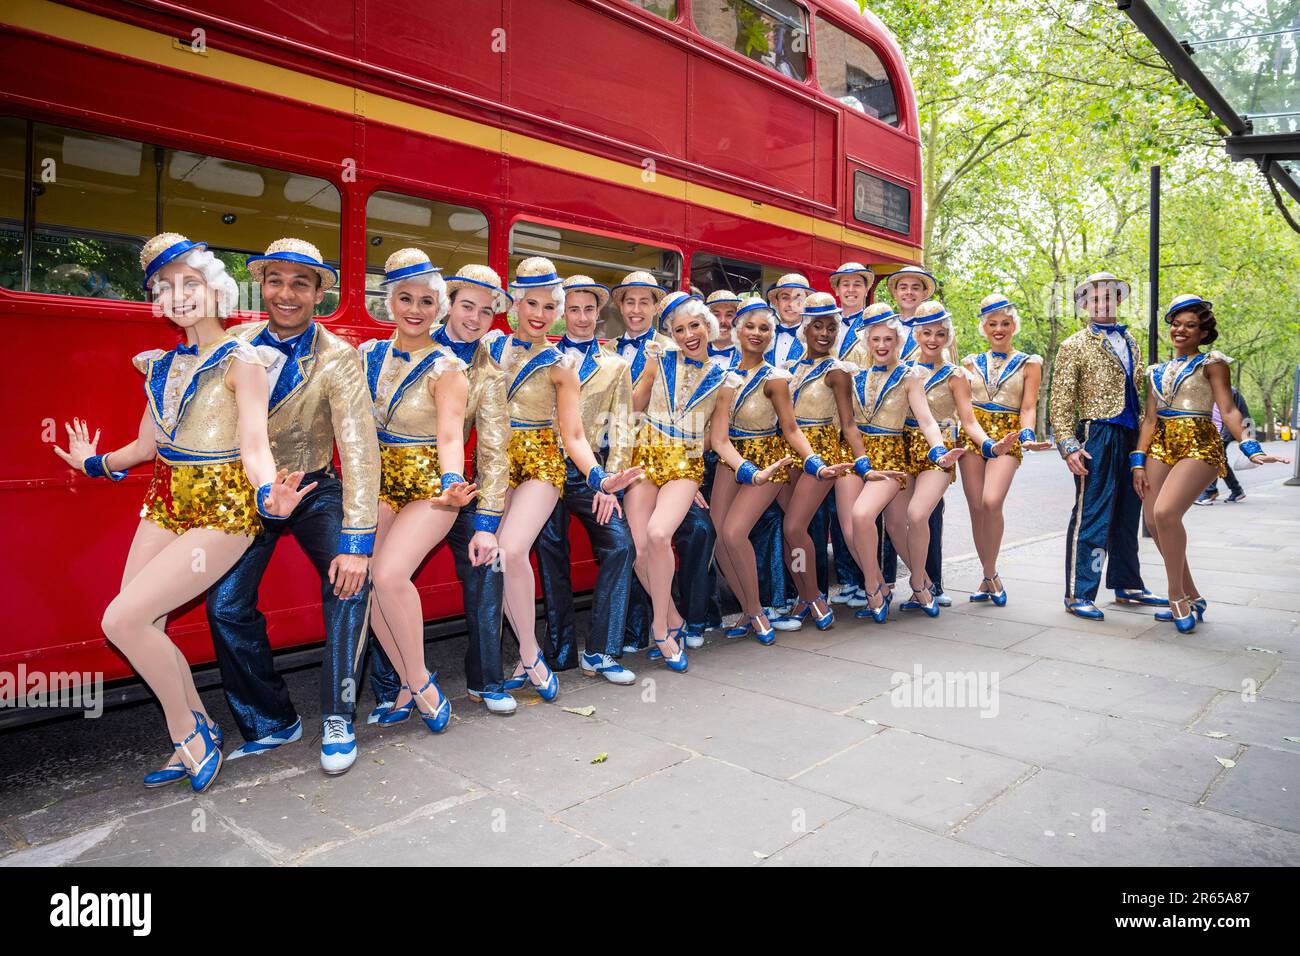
1182,388
195,415
607,417
320,400
1088,383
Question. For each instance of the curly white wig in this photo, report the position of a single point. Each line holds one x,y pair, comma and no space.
698,309
431,280
219,281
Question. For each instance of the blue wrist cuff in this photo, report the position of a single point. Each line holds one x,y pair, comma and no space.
357,541
986,449
263,493
1026,434
745,474
1137,459
1251,448
814,465
861,466
935,453
486,522
94,467
451,478
596,477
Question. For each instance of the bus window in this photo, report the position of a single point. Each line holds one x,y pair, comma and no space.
773,32
711,272
605,259
452,236
851,71
13,178
97,198
661,8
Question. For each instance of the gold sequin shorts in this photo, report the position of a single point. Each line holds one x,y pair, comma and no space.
829,443
996,425
408,473
887,453
918,453
535,454
1179,438
765,451
665,460
183,497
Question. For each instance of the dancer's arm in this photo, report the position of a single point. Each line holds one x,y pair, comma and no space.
778,391
81,450
1220,384
920,406
1137,459
277,491
568,411
1029,406
450,391
960,388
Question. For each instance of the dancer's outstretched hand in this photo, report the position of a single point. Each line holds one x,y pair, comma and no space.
765,475
1257,459
621,479
285,493
80,445
831,472
950,459
605,507
1005,443
1035,445
457,495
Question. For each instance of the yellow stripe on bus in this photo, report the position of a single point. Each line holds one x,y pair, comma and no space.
113,36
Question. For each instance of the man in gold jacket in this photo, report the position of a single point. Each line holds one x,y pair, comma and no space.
318,400
606,384
1095,411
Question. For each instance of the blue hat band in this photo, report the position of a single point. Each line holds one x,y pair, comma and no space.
853,272
877,319
790,285
723,301
586,287
928,319
524,282
822,310
296,257
751,307
485,285
1175,309
995,306
640,285
686,298
168,255
409,272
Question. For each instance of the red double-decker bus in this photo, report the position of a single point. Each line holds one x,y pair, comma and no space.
710,142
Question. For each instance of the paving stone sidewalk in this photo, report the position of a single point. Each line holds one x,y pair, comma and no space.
988,736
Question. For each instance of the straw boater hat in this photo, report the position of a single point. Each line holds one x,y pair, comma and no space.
668,304
929,312
298,251
723,297
851,269
1183,302
1102,278
638,280
997,302
911,272
407,264
791,280
820,303
535,272
877,313
480,277
162,249
751,302
588,284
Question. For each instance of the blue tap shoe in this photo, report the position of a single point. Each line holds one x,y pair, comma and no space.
1199,606
1143,597
678,634
549,689
765,637
206,765
438,720
998,597
516,682
171,773
1185,624
930,607
1085,609
827,620
877,614
676,662
790,622
397,715
381,707
740,630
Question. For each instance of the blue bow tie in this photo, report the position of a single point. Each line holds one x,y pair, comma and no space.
695,363
586,347
880,368
998,354
638,340
523,345
398,353
187,350
266,338
462,350
787,329
1121,329
929,365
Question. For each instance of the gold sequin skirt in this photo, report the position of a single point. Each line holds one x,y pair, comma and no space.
408,473
887,453
997,425
828,442
183,497
918,453
1179,438
766,451
666,460
535,454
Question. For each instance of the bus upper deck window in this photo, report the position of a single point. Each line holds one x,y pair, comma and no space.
773,32
852,72
660,8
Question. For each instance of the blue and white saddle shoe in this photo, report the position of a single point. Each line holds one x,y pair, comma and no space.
496,701
1084,609
1143,597
381,708
602,665
289,735
338,745
693,635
